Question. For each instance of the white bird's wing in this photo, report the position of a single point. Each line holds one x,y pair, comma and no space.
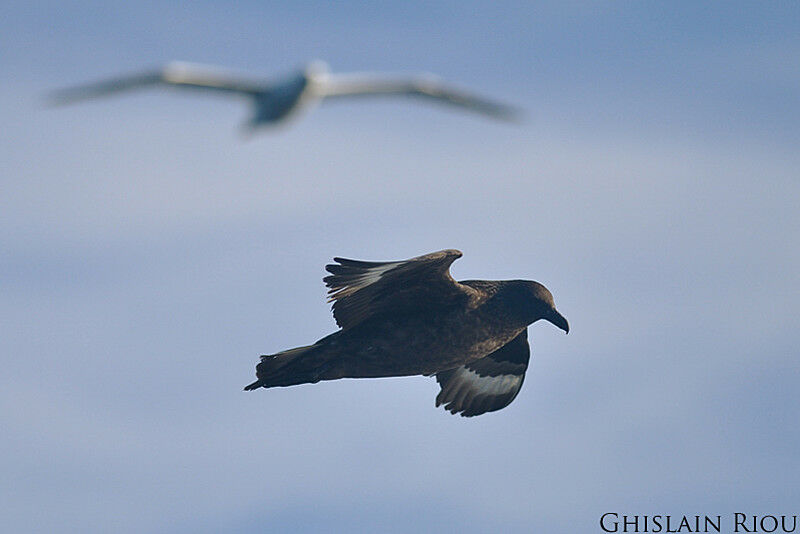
428,86
177,74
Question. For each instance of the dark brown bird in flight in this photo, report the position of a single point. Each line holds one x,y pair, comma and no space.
403,318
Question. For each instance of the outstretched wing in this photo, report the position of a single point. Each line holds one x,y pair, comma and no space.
487,384
361,290
177,74
427,86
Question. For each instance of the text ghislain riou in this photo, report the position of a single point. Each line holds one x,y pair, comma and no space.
739,522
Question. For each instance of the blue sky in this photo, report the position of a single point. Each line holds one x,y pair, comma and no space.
149,255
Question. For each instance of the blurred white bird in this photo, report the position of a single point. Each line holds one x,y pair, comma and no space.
276,101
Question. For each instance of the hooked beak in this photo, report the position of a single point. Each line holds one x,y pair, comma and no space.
558,320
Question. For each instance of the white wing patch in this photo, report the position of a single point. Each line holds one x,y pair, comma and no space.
363,278
487,385
466,392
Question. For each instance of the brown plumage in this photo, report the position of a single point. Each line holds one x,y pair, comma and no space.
411,317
